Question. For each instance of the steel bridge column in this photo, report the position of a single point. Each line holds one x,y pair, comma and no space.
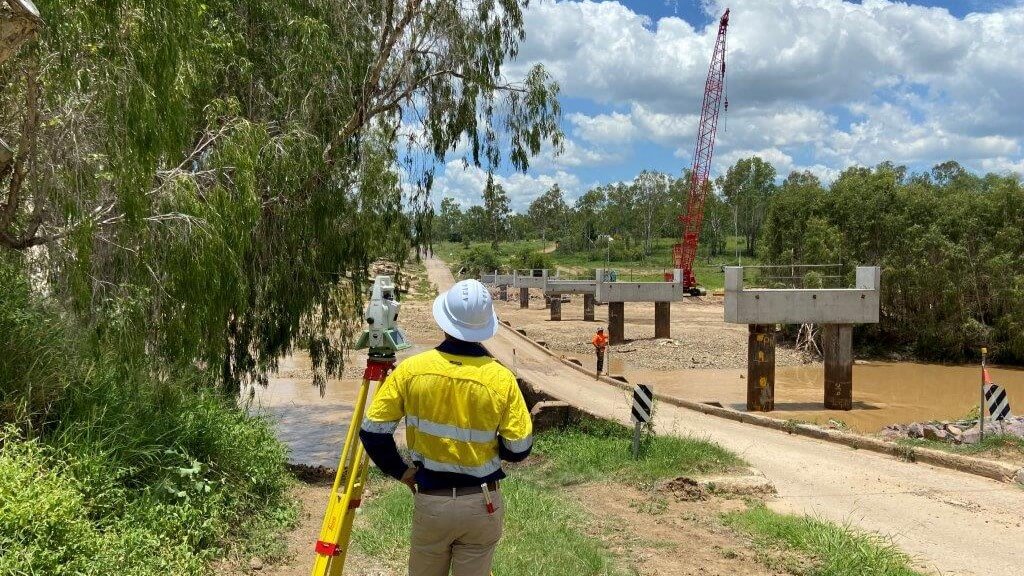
761,368
837,348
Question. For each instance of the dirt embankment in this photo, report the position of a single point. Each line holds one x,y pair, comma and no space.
661,532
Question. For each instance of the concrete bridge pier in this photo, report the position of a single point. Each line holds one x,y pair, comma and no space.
761,368
837,348
524,297
616,322
662,319
503,293
556,307
588,307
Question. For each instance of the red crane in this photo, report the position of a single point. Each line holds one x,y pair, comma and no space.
685,252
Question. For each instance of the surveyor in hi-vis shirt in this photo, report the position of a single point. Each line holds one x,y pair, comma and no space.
464,414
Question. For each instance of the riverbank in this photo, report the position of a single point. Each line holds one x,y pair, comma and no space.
111,462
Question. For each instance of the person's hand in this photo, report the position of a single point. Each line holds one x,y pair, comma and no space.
409,478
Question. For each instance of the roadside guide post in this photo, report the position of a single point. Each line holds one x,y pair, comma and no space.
643,401
981,402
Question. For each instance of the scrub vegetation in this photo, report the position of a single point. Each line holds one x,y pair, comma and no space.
105,468
471,258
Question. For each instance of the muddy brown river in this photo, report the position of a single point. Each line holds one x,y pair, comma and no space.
883,392
313,427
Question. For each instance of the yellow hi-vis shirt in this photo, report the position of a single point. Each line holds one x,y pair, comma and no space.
456,410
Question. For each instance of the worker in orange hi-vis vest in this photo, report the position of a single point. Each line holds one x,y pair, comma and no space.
600,342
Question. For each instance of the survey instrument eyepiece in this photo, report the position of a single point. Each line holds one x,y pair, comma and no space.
383,336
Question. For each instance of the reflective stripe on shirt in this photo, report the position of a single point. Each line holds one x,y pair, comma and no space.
449,431
518,445
489,467
375,427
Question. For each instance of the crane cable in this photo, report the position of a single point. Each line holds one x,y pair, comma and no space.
725,86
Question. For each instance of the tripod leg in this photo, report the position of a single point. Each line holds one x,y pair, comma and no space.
330,531
351,502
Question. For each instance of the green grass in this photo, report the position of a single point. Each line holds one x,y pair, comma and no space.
545,528
601,451
829,549
542,537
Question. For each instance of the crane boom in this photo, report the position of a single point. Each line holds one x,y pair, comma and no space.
685,253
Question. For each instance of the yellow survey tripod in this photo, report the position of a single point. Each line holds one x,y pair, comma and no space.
383,337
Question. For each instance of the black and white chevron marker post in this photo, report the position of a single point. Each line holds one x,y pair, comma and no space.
643,402
997,401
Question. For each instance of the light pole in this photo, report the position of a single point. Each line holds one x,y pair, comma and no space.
607,252
736,231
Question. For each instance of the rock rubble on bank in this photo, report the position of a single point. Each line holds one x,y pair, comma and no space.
955,432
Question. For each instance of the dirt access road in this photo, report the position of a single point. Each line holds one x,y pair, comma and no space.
949,522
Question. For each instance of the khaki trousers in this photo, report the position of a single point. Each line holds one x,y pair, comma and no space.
454,535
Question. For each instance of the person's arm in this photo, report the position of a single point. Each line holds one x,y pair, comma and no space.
377,432
516,428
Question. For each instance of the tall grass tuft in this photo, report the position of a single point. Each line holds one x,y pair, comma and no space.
834,550
35,347
599,450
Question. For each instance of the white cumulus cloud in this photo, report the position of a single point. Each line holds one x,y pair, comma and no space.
823,84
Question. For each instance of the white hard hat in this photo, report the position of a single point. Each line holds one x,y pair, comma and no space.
465,312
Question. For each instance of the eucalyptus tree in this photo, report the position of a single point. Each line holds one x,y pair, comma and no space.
651,193
586,222
450,221
19,22
548,211
196,180
496,204
748,186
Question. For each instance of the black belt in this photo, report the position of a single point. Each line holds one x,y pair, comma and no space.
456,491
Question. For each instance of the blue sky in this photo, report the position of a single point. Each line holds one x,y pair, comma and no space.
817,85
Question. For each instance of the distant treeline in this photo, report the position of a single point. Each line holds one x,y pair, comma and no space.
950,243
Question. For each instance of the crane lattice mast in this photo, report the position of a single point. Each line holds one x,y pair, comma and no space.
685,253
